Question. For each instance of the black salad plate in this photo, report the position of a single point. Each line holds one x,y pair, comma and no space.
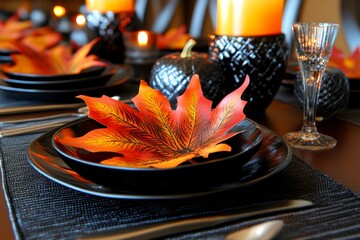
273,156
75,83
90,72
219,168
112,86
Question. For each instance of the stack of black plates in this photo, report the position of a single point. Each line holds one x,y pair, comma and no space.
5,56
257,154
65,87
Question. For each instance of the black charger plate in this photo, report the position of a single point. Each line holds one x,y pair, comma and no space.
274,155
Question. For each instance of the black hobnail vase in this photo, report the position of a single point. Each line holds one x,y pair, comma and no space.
110,26
263,58
333,95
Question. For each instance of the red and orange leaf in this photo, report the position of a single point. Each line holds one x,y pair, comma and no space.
42,38
30,61
14,29
155,135
57,60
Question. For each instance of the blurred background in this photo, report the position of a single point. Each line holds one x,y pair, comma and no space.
318,11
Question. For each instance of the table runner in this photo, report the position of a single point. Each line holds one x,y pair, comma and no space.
43,209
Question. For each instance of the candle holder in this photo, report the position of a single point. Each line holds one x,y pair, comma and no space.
109,26
141,56
263,58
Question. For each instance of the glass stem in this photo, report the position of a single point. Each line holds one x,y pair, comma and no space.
312,85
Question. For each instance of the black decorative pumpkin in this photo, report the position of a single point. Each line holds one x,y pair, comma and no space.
171,74
333,95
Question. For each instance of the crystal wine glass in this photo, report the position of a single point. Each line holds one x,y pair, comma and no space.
313,42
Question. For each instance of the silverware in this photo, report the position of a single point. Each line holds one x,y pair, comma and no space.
38,108
49,117
164,229
263,231
33,129
49,107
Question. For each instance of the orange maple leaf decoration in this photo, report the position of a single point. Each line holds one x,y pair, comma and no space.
350,65
13,31
13,28
155,135
57,60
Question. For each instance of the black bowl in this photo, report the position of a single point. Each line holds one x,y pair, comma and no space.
218,169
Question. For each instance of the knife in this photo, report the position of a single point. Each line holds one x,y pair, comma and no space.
38,108
32,129
157,230
262,231
48,107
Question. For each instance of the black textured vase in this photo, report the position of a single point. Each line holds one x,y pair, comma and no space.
109,26
333,95
263,58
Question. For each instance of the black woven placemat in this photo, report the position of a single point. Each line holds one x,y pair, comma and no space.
43,209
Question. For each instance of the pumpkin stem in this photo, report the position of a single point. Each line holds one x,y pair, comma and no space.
186,52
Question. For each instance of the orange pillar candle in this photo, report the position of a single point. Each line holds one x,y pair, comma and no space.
110,5
249,17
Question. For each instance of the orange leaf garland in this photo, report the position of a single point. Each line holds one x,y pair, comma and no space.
155,135
57,60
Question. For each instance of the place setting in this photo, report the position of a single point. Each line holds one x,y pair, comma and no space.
75,167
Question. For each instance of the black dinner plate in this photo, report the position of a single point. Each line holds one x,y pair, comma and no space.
90,72
112,86
219,168
75,83
274,155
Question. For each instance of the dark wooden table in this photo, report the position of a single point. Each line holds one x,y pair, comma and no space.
341,163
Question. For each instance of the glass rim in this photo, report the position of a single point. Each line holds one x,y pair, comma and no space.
316,24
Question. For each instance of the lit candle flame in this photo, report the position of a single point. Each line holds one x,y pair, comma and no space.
59,11
80,20
143,39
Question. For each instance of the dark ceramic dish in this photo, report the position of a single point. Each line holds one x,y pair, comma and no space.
218,169
274,155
